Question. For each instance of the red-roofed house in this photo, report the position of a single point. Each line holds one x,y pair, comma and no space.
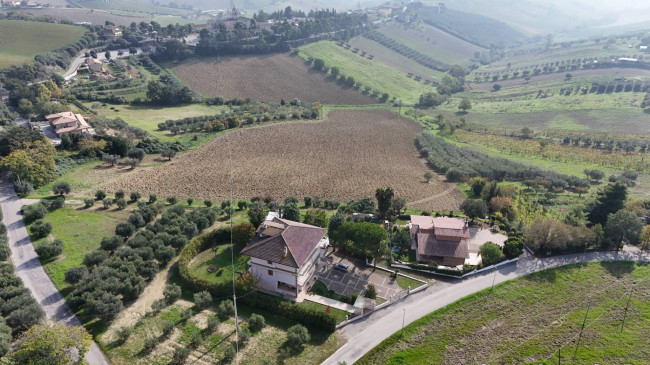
441,240
68,122
285,255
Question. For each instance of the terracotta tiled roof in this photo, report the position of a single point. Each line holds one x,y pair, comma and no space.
273,236
425,222
428,245
450,223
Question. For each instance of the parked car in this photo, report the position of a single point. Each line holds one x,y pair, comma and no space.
341,266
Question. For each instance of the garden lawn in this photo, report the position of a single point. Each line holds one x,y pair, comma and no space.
393,82
530,318
402,281
21,40
81,232
200,264
337,313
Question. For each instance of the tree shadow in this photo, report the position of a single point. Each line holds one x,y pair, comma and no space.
618,269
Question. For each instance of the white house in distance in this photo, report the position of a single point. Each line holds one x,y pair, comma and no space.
69,123
285,255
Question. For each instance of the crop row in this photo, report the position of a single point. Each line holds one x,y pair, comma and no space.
460,164
407,52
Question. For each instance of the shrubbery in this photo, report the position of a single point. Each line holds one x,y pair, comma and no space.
40,229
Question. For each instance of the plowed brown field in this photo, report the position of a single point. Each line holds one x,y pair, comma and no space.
265,78
346,156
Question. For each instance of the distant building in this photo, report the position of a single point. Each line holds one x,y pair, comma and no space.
440,240
69,123
286,255
112,32
643,48
94,65
9,3
627,59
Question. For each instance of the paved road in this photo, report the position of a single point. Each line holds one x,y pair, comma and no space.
367,333
29,268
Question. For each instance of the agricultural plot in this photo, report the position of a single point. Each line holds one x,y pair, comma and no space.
95,17
433,42
394,60
346,156
21,40
395,83
264,78
529,319
264,346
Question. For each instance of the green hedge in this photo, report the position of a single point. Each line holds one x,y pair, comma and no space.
309,317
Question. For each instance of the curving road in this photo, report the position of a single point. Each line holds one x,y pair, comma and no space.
29,269
367,333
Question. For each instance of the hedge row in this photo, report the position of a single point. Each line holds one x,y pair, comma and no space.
18,309
309,317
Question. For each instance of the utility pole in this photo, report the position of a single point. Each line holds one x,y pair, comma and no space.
581,329
626,306
403,319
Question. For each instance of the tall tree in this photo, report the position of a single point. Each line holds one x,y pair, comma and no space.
384,197
257,213
332,231
623,227
291,212
610,200
34,163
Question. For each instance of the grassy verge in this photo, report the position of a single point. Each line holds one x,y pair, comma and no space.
338,314
530,318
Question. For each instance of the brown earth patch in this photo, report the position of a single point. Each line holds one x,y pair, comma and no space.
265,78
346,156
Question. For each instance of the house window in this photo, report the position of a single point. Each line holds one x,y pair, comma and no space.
270,272
269,262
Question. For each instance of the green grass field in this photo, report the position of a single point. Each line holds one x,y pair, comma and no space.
148,117
530,318
73,227
393,82
21,40
202,261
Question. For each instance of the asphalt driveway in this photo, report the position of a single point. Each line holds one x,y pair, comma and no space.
357,278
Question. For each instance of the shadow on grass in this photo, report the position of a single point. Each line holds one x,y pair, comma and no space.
618,269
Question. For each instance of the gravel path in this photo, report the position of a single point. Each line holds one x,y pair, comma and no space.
367,333
29,269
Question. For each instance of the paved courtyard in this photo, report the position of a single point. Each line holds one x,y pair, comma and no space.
357,277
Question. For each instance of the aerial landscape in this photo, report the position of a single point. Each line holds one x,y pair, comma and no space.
324,182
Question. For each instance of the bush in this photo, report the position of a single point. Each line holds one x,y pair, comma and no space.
159,305
207,203
172,293
100,195
54,204
226,309
107,202
180,354
152,198
121,203
371,292
297,336
124,229
190,201
172,200
186,314
75,274
34,212
244,334
135,196
23,188
50,249
229,353
61,188
256,322
119,194
213,322
89,202
123,334
40,229
195,340
149,344
168,328
513,247
202,299
490,254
